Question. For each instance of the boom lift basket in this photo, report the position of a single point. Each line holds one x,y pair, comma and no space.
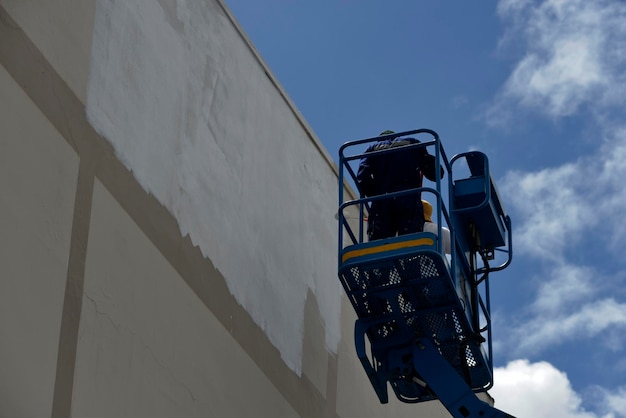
405,290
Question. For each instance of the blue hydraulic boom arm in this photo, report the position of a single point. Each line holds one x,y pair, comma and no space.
450,388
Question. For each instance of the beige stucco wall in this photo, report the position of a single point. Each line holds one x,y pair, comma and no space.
38,172
106,308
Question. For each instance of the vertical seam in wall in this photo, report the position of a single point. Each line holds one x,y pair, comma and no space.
72,303
34,74
331,387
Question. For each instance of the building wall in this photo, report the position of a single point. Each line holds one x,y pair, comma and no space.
167,220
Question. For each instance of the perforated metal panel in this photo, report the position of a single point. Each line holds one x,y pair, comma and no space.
411,297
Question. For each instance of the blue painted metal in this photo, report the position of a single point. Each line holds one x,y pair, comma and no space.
477,203
408,294
452,390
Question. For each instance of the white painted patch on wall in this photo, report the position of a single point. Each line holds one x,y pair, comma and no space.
191,112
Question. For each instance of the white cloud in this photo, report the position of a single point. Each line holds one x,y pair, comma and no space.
575,54
570,60
565,210
540,390
566,284
536,390
615,401
555,206
609,403
546,329
552,205
560,82
560,211
566,308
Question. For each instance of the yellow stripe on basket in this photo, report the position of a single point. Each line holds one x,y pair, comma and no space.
386,247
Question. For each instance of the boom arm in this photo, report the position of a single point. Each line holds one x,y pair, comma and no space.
449,387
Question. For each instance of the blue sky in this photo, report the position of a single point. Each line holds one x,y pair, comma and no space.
540,87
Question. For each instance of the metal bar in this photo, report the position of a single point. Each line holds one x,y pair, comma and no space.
449,387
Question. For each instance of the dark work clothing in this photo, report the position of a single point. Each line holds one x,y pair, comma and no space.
397,215
391,172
